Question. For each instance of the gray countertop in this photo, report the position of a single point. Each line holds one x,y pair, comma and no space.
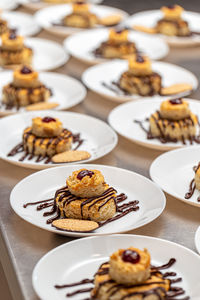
22,244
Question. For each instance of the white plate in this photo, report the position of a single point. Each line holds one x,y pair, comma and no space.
74,261
109,71
149,18
122,119
89,40
99,138
43,184
24,23
37,4
53,14
8,4
179,164
67,91
197,239
48,55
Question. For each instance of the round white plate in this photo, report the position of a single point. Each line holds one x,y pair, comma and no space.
197,239
99,138
37,4
8,4
24,23
107,72
53,14
67,91
74,261
122,119
149,18
179,164
89,40
43,184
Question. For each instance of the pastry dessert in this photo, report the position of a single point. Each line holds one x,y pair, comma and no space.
172,23
46,137
174,121
25,89
86,196
117,45
81,17
140,78
3,26
129,275
13,51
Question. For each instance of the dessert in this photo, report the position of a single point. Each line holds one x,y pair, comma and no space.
45,138
129,275
117,45
173,122
171,24
86,196
140,79
81,16
13,51
25,89
194,184
3,26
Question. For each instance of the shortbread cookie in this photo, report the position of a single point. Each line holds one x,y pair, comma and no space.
42,106
75,225
71,156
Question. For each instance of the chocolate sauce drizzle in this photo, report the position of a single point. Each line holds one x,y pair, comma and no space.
164,138
192,185
76,138
113,289
64,194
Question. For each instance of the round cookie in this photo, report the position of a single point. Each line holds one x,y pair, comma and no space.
130,266
86,183
140,65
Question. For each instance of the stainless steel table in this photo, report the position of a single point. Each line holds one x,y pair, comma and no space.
22,245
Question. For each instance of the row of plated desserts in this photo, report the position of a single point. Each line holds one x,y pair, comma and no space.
87,202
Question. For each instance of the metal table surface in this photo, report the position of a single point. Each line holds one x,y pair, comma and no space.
22,244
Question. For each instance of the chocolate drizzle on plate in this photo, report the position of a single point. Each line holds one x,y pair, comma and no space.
192,186
171,294
19,148
167,139
64,195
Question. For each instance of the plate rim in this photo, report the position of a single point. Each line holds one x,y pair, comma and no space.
46,167
118,236
166,190
197,236
160,147
74,234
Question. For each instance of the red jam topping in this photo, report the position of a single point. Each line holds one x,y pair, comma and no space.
26,70
130,256
84,173
140,59
176,101
48,119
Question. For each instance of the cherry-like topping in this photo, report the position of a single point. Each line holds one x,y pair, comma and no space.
119,31
130,256
48,119
12,35
171,6
84,173
26,70
140,59
79,2
176,101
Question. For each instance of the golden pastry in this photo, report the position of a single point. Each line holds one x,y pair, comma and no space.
46,127
25,89
47,145
174,121
117,45
13,51
86,183
197,177
3,26
172,23
140,79
130,266
81,17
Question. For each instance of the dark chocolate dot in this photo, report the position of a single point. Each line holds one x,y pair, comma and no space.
26,70
84,173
